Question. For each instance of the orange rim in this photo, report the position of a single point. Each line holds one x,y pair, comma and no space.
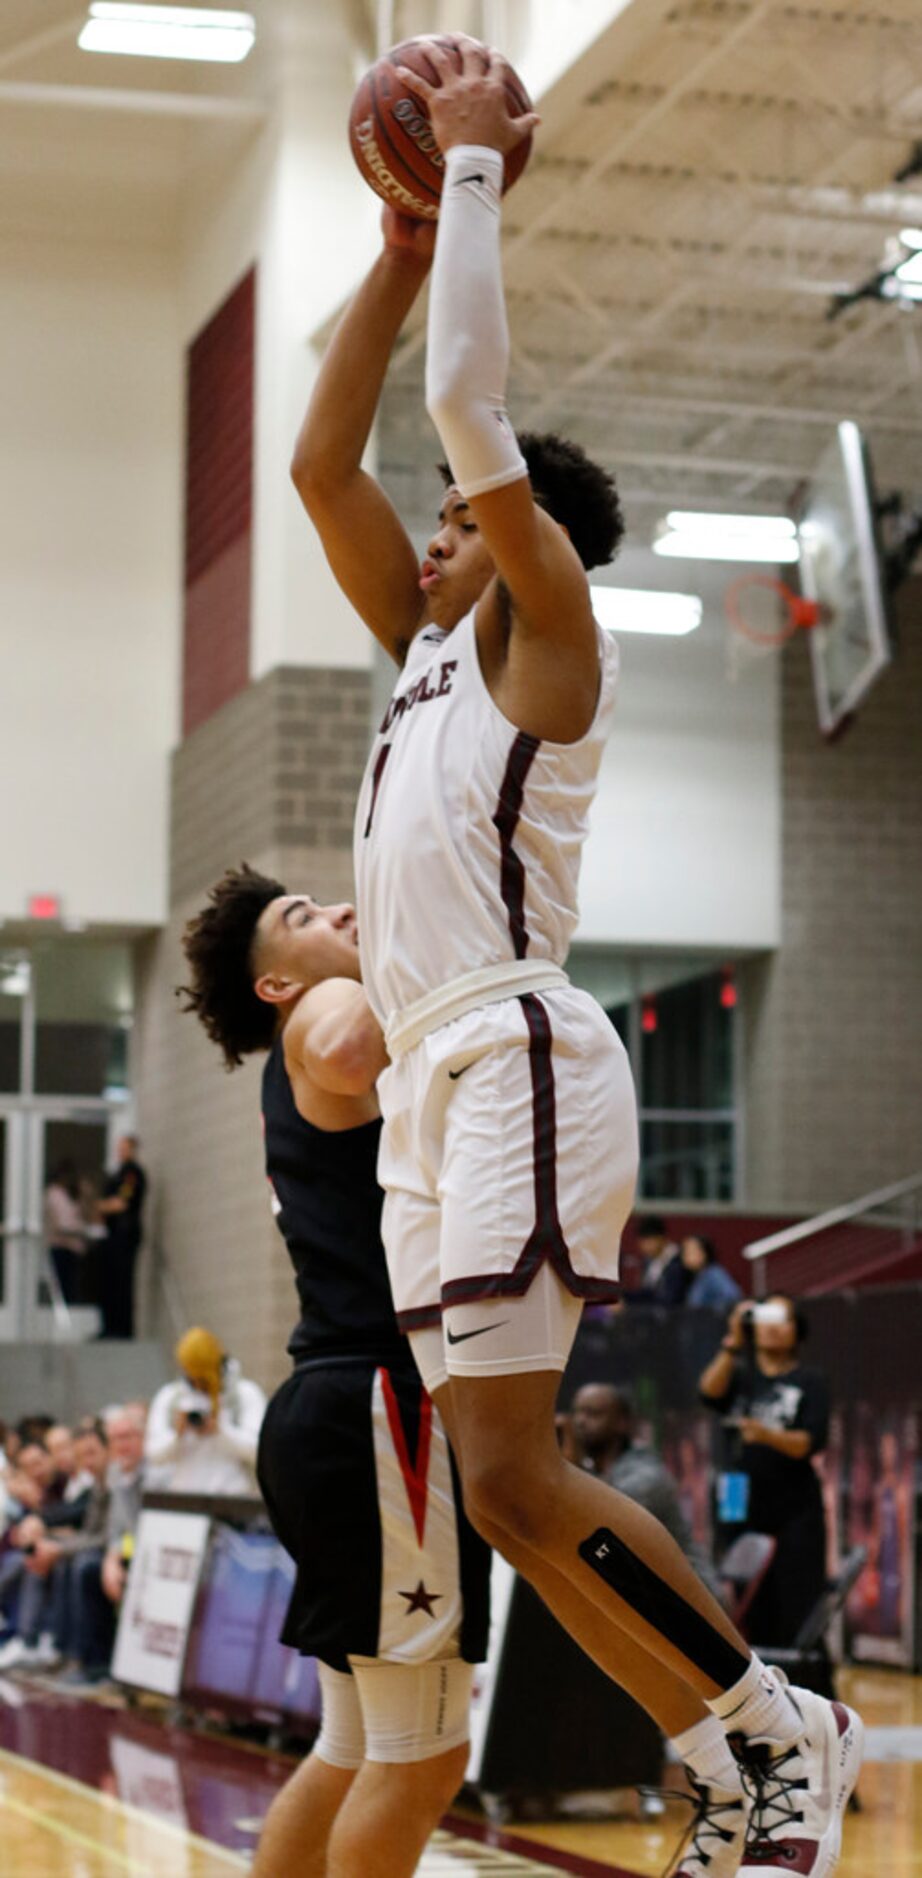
801,613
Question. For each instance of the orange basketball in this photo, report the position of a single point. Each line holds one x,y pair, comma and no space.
390,133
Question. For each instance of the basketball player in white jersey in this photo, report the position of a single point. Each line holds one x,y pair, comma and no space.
509,1149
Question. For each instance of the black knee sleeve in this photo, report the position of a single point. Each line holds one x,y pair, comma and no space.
663,1609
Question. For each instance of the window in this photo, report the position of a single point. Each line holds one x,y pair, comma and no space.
678,1020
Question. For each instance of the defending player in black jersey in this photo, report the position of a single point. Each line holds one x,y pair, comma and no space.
391,1593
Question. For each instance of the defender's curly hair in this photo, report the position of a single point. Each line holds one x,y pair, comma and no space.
218,944
578,493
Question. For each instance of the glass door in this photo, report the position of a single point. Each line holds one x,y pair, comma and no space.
13,1215
37,1138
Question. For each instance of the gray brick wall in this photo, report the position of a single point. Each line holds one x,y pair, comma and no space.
833,1021
271,779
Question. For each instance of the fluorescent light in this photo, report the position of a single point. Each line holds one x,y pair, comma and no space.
707,522
637,610
704,536
157,32
911,237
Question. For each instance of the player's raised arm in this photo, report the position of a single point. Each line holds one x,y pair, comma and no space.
365,542
468,353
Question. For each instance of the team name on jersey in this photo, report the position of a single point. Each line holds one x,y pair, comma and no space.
424,690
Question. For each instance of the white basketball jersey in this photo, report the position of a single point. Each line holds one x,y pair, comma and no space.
468,833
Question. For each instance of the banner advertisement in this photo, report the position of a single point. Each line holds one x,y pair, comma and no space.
880,1612
156,1611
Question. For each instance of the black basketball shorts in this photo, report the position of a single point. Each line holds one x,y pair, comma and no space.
361,1488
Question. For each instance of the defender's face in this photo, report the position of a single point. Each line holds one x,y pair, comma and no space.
457,568
306,943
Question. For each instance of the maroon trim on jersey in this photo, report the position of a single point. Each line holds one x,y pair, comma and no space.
505,821
421,1319
546,1240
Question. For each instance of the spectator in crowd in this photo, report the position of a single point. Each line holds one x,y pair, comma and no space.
121,1210
44,1553
600,1427
86,1616
33,1428
71,1484
708,1282
775,1414
203,1429
65,1230
664,1279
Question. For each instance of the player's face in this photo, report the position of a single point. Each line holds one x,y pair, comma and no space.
457,567
307,943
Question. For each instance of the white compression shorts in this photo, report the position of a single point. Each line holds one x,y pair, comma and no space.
533,1332
393,1712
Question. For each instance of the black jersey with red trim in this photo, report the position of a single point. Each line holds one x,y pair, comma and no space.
327,1203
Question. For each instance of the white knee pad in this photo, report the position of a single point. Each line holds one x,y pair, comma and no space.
341,1741
412,1712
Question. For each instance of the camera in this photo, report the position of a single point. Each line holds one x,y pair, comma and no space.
765,1314
195,1418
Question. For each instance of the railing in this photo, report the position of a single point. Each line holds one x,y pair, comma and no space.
842,1246
27,1265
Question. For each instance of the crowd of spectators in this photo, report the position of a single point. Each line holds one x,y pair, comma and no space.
70,1496
674,1272
69,1503
70,1500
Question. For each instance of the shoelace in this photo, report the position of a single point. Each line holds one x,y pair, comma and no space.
773,1793
706,1831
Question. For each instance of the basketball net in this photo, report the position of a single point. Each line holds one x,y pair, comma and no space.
763,613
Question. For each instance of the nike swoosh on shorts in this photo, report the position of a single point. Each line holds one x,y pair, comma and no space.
463,1336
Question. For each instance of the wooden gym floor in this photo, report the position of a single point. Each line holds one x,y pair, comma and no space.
90,1790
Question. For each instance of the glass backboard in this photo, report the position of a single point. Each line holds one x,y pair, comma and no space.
841,567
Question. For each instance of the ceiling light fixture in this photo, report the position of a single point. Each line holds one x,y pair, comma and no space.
689,535
637,610
157,32
911,237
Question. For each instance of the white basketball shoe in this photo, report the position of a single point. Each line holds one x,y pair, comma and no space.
717,1836
799,1792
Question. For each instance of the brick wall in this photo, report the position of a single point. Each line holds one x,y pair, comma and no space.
271,778
833,1021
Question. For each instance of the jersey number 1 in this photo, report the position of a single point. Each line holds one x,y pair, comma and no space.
377,774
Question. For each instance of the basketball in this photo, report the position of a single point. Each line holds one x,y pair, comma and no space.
391,136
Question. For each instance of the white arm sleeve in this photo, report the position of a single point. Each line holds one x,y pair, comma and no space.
467,355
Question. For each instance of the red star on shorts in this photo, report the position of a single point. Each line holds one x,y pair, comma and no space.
420,1600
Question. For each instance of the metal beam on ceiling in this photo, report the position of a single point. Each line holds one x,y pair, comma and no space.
138,103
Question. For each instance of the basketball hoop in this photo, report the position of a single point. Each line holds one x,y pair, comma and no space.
745,614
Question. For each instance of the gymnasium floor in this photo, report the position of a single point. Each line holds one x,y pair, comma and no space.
89,1790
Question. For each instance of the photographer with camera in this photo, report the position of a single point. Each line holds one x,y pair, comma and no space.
203,1429
775,1413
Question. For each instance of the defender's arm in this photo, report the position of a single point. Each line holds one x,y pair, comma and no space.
333,1041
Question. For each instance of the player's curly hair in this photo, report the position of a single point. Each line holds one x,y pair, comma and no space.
218,944
578,493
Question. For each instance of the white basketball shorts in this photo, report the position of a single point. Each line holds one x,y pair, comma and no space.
509,1144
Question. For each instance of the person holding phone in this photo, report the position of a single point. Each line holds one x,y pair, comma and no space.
775,1415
